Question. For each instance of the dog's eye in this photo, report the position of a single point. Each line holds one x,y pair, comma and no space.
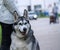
20,23
25,23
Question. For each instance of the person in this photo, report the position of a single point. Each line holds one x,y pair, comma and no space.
6,22
55,11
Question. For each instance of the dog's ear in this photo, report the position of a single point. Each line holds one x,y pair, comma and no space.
25,14
15,15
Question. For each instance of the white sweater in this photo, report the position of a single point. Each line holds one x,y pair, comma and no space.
5,15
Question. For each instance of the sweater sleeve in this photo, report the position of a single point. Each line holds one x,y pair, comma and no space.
9,4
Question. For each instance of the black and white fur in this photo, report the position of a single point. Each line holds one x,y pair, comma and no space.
22,36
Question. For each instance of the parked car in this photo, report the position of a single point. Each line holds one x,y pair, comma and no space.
32,15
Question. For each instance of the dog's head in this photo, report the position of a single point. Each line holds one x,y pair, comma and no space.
21,26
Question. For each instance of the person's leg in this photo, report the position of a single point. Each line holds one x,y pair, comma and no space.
56,16
6,40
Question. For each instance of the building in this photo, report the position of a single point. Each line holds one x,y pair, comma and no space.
20,5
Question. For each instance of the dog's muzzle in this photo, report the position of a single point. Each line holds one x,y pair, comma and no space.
24,31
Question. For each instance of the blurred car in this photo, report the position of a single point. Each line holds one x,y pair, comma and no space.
32,15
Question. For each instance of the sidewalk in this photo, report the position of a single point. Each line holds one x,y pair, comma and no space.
47,34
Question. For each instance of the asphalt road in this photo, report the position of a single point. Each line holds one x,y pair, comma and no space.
48,35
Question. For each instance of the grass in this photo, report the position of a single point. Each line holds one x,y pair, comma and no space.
43,16
59,15
0,34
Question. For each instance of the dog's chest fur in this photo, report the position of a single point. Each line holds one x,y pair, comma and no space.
19,44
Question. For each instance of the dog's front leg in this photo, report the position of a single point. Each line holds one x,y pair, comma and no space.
13,47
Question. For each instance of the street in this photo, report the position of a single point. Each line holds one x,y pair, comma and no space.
48,35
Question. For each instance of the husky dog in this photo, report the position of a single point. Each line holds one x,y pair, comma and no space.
22,36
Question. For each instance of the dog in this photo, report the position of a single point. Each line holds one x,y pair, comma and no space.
22,36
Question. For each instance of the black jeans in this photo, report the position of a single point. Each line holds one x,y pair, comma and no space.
6,36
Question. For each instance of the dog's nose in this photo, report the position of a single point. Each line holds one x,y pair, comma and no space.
24,29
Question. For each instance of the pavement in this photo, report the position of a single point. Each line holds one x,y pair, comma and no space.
48,35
